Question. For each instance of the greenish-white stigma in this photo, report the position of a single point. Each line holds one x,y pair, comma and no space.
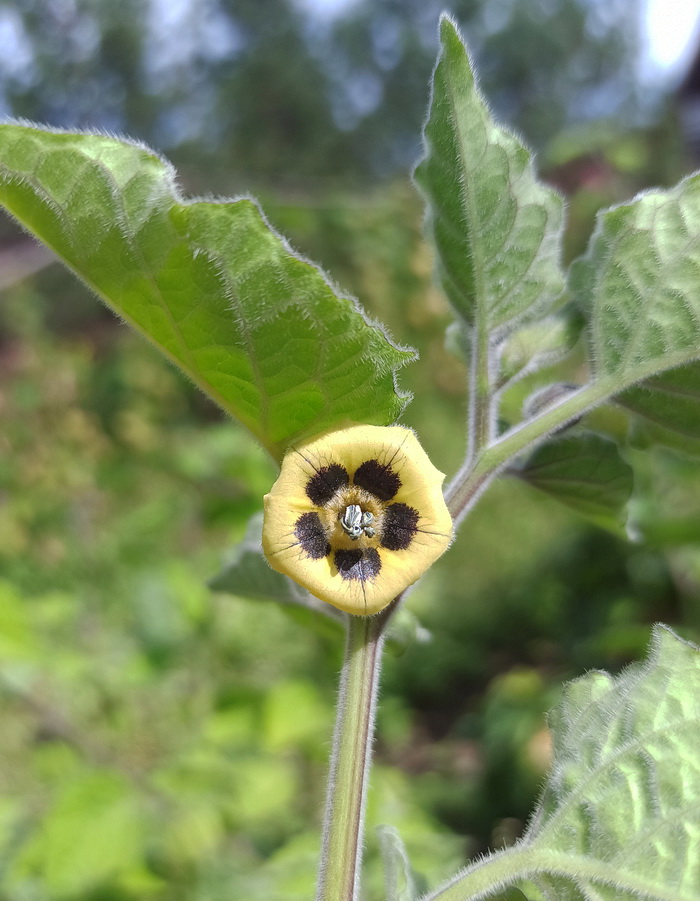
355,522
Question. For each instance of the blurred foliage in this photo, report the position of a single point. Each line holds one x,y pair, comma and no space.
290,95
189,730
161,741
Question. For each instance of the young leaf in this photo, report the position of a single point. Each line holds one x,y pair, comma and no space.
638,286
620,816
496,228
535,346
584,471
398,876
256,327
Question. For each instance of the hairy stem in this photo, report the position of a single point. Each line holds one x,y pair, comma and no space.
487,877
480,429
482,878
341,851
477,473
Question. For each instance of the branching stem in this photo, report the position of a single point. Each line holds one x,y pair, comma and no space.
478,471
341,852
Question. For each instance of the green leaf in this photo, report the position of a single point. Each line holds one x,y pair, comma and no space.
537,345
496,228
398,877
526,350
620,816
669,404
584,471
256,327
637,289
638,285
625,786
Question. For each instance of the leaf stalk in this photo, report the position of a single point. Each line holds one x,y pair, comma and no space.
481,398
469,482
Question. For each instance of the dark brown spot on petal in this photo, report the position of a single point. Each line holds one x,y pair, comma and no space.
377,478
399,527
312,536
324,483
361,564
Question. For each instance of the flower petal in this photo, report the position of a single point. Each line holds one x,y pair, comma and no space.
300,538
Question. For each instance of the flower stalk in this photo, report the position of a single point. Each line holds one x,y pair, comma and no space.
343,828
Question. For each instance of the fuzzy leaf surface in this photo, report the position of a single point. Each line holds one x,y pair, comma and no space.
536,346
637,289
584,471
496,228
619,819
256,327
398,876
638,285
669,404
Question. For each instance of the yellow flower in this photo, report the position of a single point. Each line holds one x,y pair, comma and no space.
356,516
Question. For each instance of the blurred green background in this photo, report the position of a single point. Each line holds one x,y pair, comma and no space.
161,741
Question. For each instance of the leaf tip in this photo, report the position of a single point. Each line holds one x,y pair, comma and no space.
451,38
448,28
664,641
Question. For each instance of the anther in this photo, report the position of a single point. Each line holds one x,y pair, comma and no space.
354,522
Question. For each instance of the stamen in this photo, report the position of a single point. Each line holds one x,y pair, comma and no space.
355,521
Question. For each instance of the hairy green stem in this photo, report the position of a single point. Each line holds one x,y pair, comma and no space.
485,876
341,851
476,474
481,400
492,874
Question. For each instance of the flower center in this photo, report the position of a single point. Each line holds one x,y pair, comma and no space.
355,521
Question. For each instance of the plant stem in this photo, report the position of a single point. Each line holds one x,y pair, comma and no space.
482,879
480,423
341,851
476,474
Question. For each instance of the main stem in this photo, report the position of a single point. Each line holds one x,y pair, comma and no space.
341,851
